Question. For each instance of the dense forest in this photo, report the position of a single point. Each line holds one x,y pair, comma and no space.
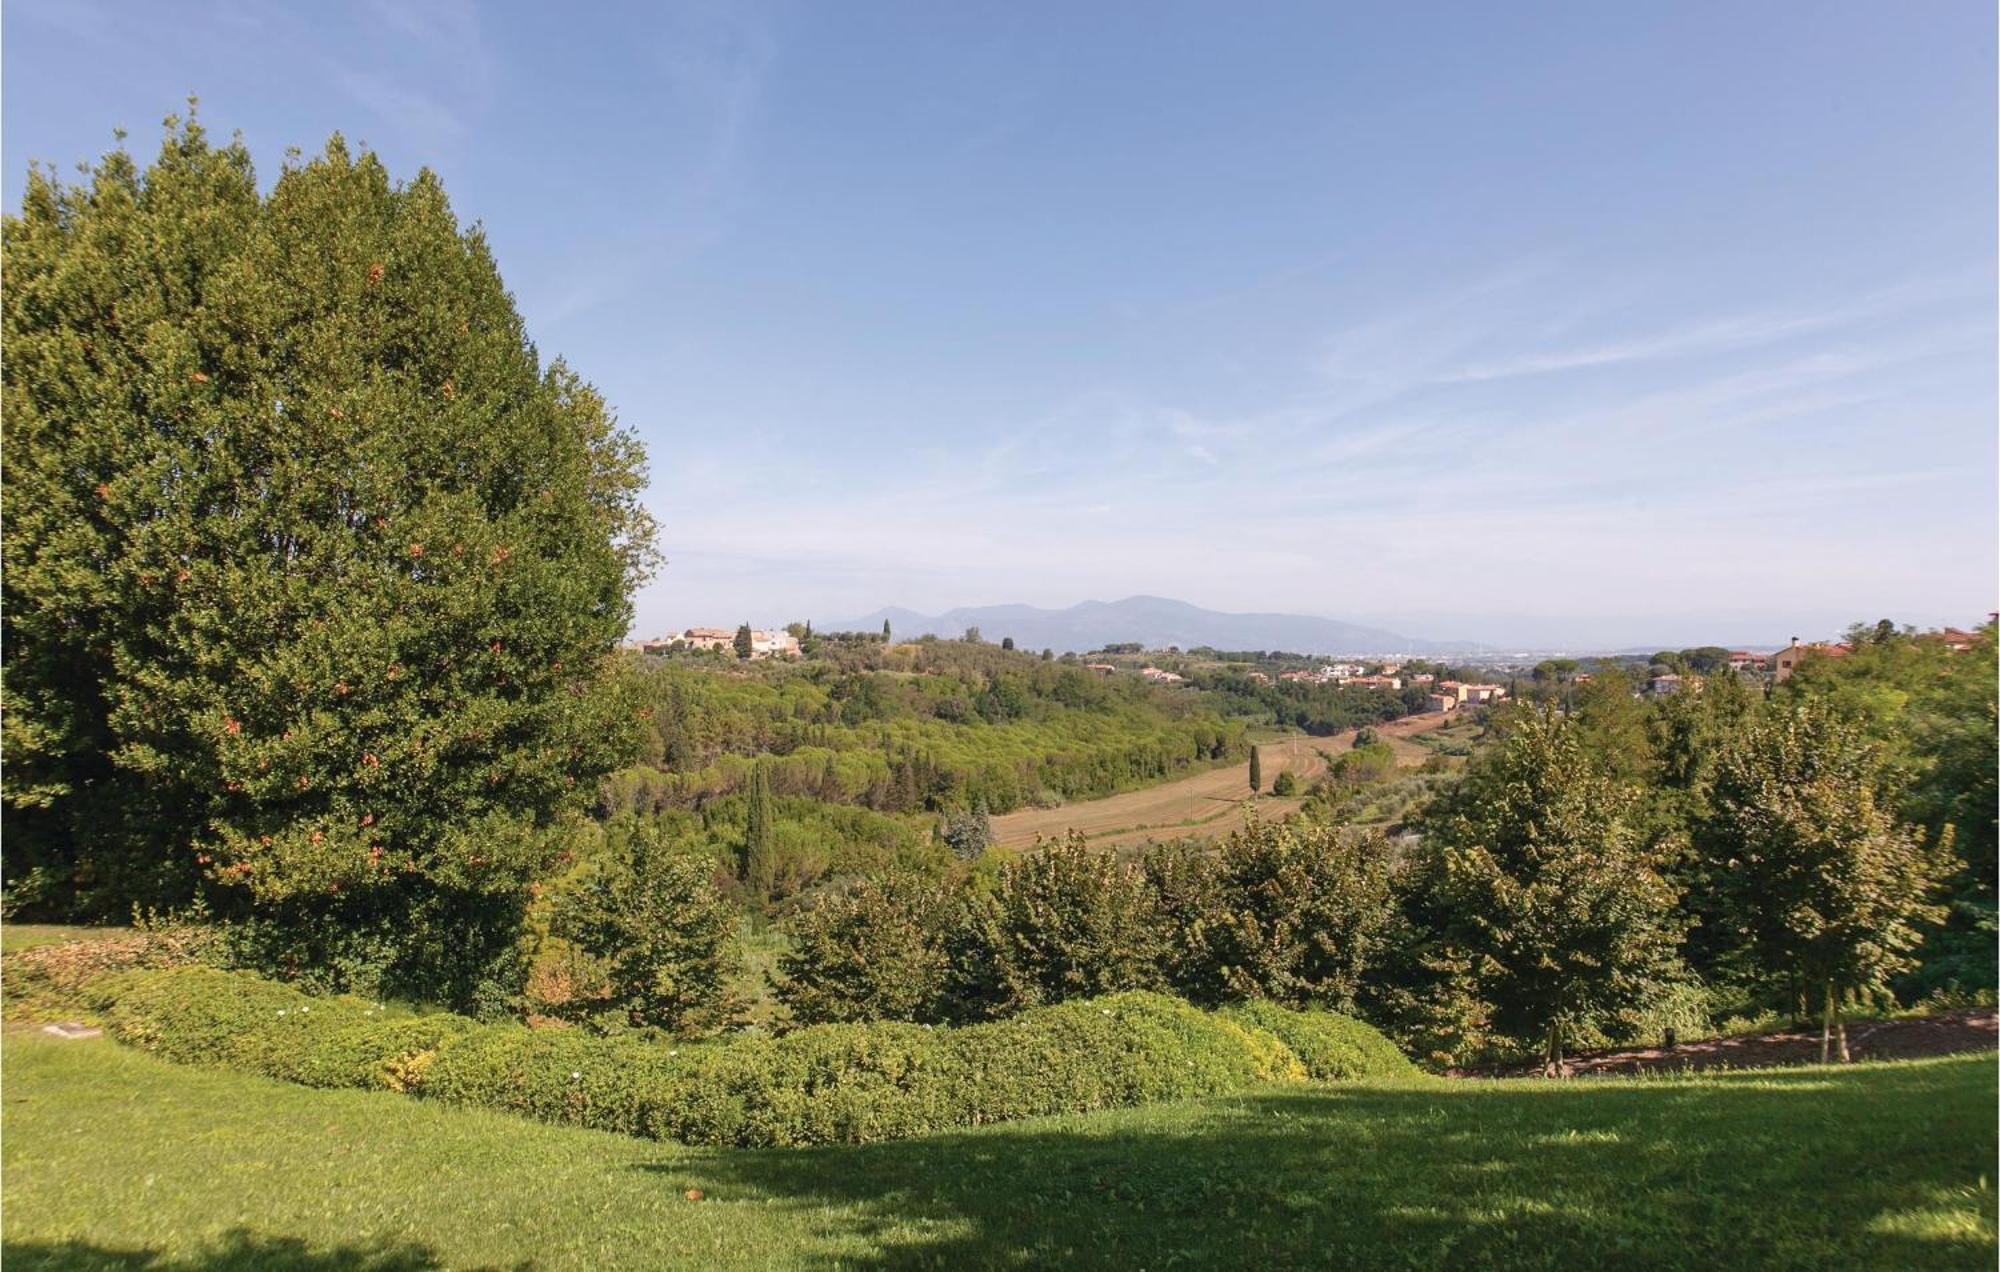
938,725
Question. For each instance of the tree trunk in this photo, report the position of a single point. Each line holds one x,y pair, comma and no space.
1840,1030
1826,1025
1552,1063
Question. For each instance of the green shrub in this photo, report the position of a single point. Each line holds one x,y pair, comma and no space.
1065,921
665,937
877,950
1298,911
834,1083
1332,1047
1130,1048
200,1015
1365,762
840,1083
614,1083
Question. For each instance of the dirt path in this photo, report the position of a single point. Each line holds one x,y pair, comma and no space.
1941,1035
1210,803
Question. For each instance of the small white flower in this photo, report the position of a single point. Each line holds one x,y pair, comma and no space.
575,1074
305,1009
674,1052
281,1011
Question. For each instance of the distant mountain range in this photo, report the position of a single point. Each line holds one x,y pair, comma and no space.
1154,622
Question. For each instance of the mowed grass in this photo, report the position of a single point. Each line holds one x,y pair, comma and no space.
26,936
114,1159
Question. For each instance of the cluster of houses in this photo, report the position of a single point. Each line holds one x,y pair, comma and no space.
1352,674
1332,674
1779,666
1450,695
1342,674
763,644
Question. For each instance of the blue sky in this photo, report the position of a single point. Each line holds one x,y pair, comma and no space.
1579,324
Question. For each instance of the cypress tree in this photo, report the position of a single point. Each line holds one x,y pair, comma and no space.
885,631
745,643
760,864
1256,771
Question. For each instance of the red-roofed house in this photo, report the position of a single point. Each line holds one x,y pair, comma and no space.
1787,660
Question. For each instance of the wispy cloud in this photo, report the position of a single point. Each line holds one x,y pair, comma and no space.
714,62
424,119
1713,336
1381,470
716,58
430,82
1720,336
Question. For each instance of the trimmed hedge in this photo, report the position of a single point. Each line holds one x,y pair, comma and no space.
839,1083
1332,1047
202,1015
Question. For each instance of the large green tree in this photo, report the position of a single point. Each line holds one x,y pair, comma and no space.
313,570
1816,872
1545,906
1297,912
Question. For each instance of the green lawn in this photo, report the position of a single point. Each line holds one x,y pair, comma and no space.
26,936
114,1159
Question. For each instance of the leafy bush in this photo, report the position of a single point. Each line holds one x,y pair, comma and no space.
1130,1048
1682,1006
1065,921
849,1083
1297,912
611,1083
666,938
877,950
199,1015
1284,783
1364,763
968,835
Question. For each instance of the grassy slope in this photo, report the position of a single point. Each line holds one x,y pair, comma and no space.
110,1154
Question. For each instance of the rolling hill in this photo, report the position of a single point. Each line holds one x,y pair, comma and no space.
1155,622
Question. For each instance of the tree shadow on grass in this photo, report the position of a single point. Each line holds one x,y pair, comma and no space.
239,1250
1881,1168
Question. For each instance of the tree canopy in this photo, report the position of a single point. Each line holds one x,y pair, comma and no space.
312,567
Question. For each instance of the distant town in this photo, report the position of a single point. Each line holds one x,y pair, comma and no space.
1664,673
